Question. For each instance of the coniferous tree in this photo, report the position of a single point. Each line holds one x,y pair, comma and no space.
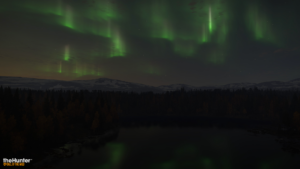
81,97
40,128
205,108
271,110
7,102
95,123
26,124
1,93
52,100
296,120
91,106
3,123
78,109
82,111
68,98
37,109
119,110
60,116
17,142
16,102
108,116
46,105
294,103
11,123
60,102
29,98
87,118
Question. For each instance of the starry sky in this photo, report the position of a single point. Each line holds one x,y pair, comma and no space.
153,42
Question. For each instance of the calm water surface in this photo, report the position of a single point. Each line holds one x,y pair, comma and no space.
156,147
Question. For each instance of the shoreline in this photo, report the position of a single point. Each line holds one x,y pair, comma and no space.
54,155
274,121
65,151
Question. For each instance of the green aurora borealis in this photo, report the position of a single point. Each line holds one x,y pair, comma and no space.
154,42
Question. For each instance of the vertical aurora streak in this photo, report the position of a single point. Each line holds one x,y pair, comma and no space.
258,22
67,53
86,69
60,68
160,25
118,47
69,17
210,20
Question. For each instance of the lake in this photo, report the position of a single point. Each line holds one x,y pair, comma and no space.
183,143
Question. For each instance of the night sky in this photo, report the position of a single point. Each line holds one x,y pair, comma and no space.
153,42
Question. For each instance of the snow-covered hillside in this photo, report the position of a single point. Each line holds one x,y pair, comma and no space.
106,84
103,84
176,87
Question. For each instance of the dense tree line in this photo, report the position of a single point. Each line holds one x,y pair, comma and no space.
28,117
36,119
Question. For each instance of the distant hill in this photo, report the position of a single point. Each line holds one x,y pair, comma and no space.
106,84
103,84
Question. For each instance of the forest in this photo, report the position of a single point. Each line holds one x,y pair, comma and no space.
33,120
